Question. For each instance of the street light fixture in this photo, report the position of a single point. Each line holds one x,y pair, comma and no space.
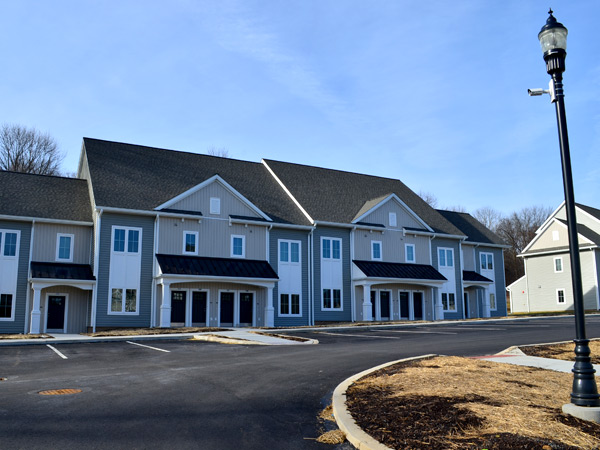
553,39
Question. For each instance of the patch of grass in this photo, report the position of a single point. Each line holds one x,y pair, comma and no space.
462,403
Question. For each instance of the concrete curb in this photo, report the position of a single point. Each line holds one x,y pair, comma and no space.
354,434
226,340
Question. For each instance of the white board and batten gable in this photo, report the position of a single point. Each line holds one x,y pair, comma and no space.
214,198
391,212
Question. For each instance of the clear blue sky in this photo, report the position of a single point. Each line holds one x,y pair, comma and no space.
431,92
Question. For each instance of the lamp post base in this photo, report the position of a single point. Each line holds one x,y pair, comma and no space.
589,413
585,392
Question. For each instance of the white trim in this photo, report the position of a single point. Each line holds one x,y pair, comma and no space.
44,220
445,257
205,183
287,191
487,254
414,260
373,245
564,302
546,222
558,258
243,238
51,294
12,307
196,243
123,301
290,314
448,293
564,250
214,206
404,205
341,308
588,214
392,223
71,245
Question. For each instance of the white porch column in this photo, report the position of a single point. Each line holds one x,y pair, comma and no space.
269,310
439,308
367,306
165,306
486,303
35,311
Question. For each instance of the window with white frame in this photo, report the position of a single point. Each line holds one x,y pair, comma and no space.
376,250
215,205
126,240
486,261
64,247
128,304
393,221
9,244
6,306
558,264
445,257
238,246
190,242
493,306
331,274
409,250
449,301
560,296
290,278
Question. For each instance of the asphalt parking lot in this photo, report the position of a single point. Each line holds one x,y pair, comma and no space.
189,394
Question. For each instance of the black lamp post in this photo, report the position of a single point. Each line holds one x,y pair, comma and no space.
553,38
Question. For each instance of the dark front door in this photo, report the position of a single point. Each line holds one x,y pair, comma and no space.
466,302
178,306
56,312
384,301
373,300
404,305
199,307
226,308
418,305
246,307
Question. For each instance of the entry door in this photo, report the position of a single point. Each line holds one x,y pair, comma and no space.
226,308
178,307
466,302
373,303
418,305
384,305
404,309
246,308
198,307
56,312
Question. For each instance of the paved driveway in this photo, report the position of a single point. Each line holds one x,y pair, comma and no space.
186,394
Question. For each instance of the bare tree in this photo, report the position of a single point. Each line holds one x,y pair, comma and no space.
28,150
429,198
488,216
518,230
222,152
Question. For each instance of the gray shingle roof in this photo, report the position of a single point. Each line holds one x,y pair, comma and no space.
585,231
43,196
475,230
593,211
335,196
137,177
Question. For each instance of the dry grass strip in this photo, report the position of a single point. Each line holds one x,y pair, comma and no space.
332,437
152,331
562,351
498,399
25,336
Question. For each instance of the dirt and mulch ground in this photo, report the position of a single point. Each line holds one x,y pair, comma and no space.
562,351
151,331
25,336
462,403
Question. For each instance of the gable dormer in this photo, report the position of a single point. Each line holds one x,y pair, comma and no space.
391,212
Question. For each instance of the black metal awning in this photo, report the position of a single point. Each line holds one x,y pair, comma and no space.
377,269
215,267
474,277
62,271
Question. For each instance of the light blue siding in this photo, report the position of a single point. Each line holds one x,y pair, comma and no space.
18,325
453,244
142,319
296,235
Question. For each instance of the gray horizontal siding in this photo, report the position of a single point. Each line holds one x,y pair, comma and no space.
18,325
392,245
45,240
296,235
103,319
332,316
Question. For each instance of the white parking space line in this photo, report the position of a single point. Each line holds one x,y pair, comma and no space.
56,351
356,335
147,346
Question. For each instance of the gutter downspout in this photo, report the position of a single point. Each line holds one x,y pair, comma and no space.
311,279
96,259
28,294
352,287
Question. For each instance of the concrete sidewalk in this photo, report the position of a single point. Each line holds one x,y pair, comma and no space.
240,336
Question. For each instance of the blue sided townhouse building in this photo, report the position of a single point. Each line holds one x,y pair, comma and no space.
147,237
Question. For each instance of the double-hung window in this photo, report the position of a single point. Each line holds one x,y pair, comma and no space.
409,250
6,306
118,305
446,257
332,248
190,242
126,240
560,296
332,273
290,278
486,261
376,251
493,306
448,301
332,299
558,264
238,246
10,243
64,247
